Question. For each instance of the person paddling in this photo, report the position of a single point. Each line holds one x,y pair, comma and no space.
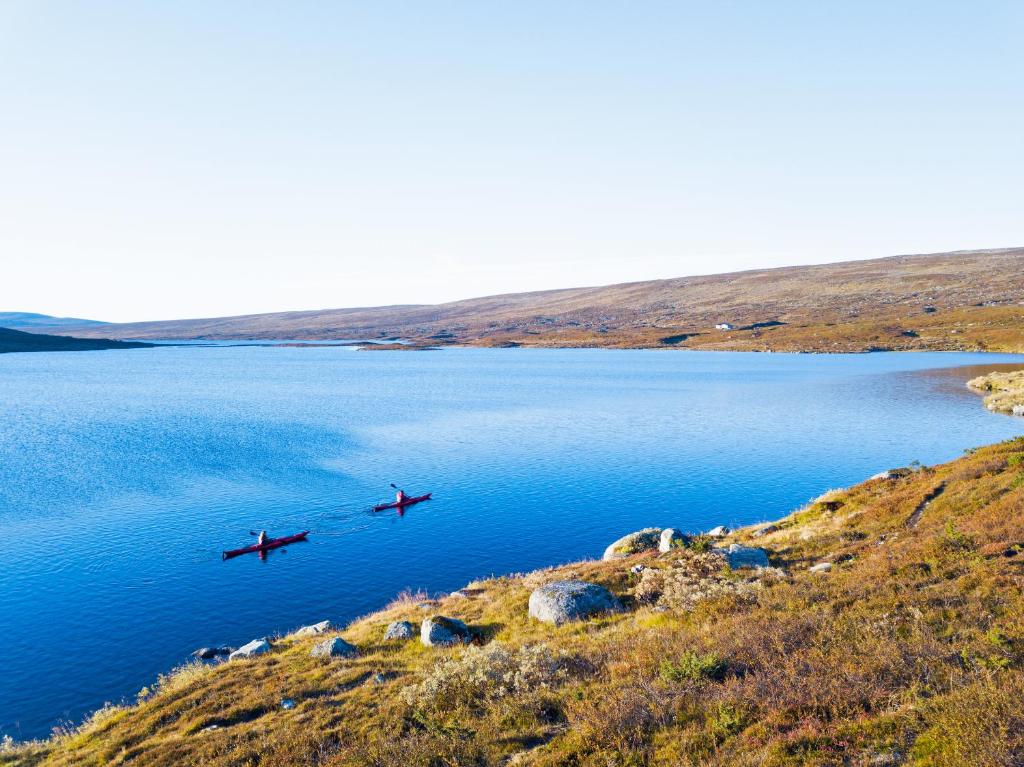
262,539
400,497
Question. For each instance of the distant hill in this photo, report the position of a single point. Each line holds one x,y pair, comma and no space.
959,300
19,341
33,320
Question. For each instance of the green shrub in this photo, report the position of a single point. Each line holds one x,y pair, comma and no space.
692,666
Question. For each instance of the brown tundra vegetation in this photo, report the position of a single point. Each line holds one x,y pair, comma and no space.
907,650
965,300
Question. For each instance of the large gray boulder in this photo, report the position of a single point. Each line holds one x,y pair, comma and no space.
744,556
642,540
565,601
334,648
251,650
315,629
671,539
401,630
442,631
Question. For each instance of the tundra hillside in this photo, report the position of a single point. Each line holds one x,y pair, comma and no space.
887,629
968,300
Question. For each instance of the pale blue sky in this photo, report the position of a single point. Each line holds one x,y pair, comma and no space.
176,159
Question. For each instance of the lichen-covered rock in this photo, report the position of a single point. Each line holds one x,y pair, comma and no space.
442,631
334,648
250,650
821,567
744,556
671,539
642,540
400,630
718,532
565,601
317,628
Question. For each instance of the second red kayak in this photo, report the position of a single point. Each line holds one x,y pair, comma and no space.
403,504
271,544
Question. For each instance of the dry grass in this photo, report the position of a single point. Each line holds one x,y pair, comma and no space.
910,651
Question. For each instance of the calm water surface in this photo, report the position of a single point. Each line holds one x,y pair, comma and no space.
124,474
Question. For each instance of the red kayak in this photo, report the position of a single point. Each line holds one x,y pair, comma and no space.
274,543
403,504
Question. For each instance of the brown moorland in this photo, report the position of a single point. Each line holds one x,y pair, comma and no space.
909,650
965,300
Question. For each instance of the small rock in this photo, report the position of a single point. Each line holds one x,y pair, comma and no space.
459,594
821,567
766,530
287,704
744,556
671,539
718,532
565,601
209,653
317,628
400,630
642,540
333,648
250,650
442,631
637,569
1018,410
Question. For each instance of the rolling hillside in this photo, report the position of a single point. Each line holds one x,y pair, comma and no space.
959,300
22,320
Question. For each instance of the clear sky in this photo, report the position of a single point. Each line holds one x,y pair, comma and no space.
199,158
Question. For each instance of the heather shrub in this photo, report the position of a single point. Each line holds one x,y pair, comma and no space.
484,674
692,666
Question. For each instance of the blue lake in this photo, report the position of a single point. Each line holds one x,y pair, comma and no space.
124,474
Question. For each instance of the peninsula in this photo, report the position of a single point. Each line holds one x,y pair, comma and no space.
20,341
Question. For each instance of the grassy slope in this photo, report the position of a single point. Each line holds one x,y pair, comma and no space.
853,306
910,651
19,341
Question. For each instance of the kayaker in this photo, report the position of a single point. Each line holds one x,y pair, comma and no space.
400,497
262,539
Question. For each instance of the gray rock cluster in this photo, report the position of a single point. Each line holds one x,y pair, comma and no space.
334,648
744,556
565,601
400,630
317,628
642,540
251,650
671,539
441,631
